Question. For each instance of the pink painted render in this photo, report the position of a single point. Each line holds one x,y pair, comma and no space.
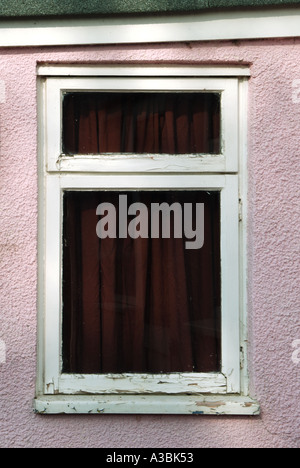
273,255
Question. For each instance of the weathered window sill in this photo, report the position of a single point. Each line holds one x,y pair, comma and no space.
146,404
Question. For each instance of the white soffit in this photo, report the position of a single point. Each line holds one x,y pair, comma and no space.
225,25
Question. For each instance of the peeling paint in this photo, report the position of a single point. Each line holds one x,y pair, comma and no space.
211,404
247,405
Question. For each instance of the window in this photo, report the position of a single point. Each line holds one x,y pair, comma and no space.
141,274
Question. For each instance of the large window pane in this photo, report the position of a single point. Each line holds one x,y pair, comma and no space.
148,304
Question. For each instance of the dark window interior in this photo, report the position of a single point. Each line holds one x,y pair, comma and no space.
142,123
144,305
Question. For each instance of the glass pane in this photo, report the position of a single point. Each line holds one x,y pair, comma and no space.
142,123
141,282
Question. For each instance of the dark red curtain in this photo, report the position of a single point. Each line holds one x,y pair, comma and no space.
139,305
144,123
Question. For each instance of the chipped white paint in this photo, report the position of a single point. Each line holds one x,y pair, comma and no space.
146,404
2,92
2,352
143,383
296,91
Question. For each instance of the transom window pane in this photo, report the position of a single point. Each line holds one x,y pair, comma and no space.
141,286
141,123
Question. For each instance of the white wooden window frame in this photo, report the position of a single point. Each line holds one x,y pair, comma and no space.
226,161
225,392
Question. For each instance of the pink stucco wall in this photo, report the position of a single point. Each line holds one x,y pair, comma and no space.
273,255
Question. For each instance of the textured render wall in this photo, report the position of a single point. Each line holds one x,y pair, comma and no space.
273,253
